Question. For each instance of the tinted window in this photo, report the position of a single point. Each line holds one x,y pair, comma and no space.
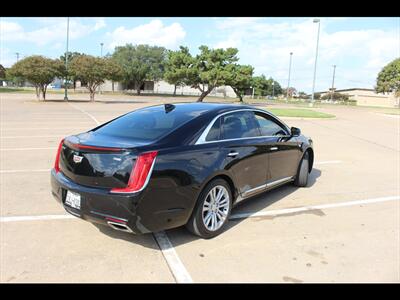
269,127
148,124
215,131
239,125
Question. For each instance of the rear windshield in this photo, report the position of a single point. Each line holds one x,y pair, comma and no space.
148,124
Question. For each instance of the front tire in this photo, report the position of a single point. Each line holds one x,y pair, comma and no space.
302,173
212,210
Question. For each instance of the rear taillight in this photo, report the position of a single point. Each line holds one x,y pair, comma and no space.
140,173
57,162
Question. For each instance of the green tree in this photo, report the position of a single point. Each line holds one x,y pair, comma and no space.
389,78
210,69
93,70
71,56
335,96
38,70
2,72
177,66
303,95
266,87
292,92
140,63
240,79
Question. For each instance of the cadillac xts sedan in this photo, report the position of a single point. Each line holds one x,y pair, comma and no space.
170,165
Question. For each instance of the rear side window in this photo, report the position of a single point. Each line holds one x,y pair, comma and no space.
215,132
147,124
239,125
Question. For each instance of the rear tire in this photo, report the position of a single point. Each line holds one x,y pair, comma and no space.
303,171
212,210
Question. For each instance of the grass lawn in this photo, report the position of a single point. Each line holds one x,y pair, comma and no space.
300,113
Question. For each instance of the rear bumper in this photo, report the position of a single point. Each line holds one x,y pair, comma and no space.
100,206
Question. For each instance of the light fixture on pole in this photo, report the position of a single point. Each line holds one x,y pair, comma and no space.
315,63
333,82
66,65
288,84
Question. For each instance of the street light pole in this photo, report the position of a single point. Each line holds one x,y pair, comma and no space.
288,84
315,64
273,89
101,55
17,54
66,65
333,82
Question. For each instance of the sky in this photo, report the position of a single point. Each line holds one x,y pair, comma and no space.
359,47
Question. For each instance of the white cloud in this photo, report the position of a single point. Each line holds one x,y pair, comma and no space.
153,33
267,46
52,30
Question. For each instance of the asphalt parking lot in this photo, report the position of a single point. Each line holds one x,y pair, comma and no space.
344,227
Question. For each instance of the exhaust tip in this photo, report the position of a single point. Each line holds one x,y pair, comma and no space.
119,226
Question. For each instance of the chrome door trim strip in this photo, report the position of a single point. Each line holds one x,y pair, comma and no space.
262,188
279,181
254,189
202,138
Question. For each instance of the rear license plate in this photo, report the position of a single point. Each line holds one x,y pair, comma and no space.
73,200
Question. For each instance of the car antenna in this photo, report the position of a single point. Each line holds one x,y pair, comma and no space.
169,107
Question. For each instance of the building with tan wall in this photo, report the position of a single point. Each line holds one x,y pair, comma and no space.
368,97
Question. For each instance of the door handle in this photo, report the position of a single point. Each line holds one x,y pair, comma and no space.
233,154
273,148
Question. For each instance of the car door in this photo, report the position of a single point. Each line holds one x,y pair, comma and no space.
245,151
283,149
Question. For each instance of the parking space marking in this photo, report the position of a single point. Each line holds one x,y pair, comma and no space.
176,266
327,162
30,136
312,207
85,112
25,149
24,171
40,128
35,218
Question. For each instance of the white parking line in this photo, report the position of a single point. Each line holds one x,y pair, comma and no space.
85,112
35,218
42,128
176,266
25,149
309,208
30,136
24,171
327,162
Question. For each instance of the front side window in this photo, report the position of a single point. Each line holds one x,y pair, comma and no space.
269,127
239,125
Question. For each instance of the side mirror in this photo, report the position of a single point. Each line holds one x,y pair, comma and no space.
295,131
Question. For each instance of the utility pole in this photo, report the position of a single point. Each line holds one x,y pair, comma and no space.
66,65
333,82
288,84
273,89
17,54
315,63
101,55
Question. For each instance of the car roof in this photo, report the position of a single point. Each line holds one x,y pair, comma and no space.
201,108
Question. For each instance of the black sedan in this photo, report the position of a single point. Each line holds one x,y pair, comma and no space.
170,165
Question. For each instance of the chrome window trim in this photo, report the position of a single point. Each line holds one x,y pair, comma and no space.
202,138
